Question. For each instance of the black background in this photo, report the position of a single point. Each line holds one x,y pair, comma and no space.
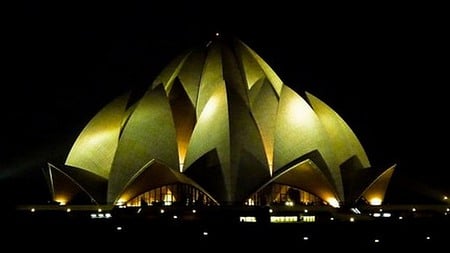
383,68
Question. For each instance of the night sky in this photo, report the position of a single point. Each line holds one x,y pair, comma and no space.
383,69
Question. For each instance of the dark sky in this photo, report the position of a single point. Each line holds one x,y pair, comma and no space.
384,69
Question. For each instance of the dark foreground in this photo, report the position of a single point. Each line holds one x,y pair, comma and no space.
142,229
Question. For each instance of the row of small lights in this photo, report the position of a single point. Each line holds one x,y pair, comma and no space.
205,233
288,203
270,210
351,219
304,238
67,210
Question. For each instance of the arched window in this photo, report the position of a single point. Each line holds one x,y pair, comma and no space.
173,194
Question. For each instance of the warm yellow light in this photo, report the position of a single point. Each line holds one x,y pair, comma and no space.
68,210
211,107
300,114
270,163
283,219
61,201
375,201
333,202
33,210
182,149
181,163
308,218
168,199
445,197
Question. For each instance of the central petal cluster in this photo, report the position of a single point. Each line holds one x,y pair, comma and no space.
219,118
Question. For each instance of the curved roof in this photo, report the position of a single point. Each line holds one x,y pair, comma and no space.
224,103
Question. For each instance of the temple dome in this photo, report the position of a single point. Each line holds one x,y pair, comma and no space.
219,120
